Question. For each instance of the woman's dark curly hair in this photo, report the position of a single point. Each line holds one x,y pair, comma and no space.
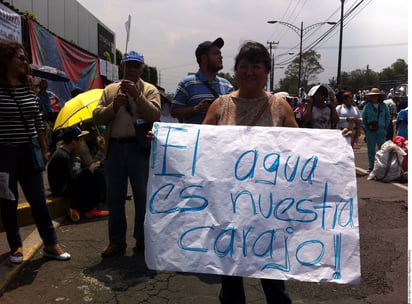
254,52
8,49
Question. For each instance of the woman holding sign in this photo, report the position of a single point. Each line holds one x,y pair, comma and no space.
251,105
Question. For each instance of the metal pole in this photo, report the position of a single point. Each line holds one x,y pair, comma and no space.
300,33
272,71
272,62
127,25
271,68
340,45
270,74
300,55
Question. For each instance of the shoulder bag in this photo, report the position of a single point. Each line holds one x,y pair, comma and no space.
35,149
209,87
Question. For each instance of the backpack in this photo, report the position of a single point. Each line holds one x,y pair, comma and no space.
388,163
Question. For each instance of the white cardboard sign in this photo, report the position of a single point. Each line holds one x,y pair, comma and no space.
263,202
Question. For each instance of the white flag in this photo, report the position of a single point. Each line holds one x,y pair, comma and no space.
127,25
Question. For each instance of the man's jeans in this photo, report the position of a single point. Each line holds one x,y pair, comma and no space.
125,161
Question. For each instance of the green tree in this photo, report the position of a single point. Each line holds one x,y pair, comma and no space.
400,67
231,78
361,79
394,75
310,69
30,15
119,56
287,84
106,56
150,74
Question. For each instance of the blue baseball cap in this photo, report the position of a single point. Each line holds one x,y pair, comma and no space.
133,56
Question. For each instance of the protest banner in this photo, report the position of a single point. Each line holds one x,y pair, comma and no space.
263,202
10,24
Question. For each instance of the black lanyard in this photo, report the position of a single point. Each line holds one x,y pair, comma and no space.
211,89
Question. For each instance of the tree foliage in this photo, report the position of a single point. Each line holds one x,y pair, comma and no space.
398,70
231,78
150,74
106,56
119,56
310,69
358,79
361,79
30,15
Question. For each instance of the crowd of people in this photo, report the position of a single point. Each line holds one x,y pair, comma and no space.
376,115
93,163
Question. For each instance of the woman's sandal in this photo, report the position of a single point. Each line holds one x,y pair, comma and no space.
56,252
16,255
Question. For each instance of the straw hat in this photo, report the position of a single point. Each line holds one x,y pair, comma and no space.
374,91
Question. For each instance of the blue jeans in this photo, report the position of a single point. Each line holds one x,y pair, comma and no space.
233,292
16,160
125,161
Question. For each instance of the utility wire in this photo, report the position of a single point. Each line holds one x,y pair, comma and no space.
355,8
296,12
281,32
306,37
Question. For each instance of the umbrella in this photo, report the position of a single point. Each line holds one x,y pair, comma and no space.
48,72
78,109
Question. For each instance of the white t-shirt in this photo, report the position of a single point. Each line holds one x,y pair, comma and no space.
345,112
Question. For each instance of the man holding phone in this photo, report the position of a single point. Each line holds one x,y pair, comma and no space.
196,92
128,108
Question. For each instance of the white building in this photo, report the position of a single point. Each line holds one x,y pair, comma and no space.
72,22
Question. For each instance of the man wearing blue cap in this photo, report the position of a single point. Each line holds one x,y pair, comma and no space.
128,108
196,92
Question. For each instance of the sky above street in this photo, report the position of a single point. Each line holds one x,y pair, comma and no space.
167,32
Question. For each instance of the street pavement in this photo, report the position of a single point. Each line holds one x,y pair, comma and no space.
87,278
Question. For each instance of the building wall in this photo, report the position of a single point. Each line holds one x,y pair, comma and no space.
56,14
67,19
71,21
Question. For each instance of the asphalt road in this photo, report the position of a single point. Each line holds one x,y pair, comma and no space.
87,278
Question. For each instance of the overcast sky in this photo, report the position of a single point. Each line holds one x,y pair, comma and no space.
167,32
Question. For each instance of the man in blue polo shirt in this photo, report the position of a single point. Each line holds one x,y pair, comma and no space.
196,92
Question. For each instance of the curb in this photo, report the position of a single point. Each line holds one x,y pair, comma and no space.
58,206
